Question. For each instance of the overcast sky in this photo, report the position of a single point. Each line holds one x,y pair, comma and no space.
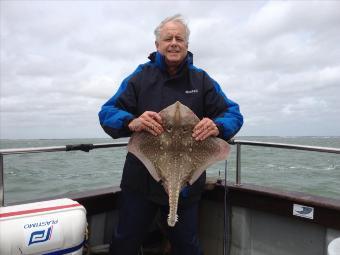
60,61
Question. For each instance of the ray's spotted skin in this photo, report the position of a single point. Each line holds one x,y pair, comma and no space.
175,158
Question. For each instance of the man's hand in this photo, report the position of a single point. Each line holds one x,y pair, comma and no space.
205,128
148,121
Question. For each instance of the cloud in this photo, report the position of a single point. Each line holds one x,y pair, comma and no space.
277,18
60,61
305,105
98,87
37,65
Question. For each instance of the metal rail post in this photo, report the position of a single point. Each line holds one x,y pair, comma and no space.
2,192
238,164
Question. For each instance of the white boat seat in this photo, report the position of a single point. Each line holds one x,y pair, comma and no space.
334,247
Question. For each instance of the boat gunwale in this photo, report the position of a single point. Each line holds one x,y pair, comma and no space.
278,202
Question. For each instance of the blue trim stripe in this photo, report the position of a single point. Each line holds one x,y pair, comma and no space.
112,116
65,251
160,61
232,119
125,82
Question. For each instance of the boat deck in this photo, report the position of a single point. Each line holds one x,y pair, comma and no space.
261,222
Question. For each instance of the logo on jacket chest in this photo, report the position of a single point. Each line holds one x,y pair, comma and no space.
193,91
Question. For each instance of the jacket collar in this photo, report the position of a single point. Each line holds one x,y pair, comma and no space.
159,59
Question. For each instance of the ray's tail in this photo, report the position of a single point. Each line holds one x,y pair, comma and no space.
173,204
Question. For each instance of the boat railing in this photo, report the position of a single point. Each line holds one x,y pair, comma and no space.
88,147
238,144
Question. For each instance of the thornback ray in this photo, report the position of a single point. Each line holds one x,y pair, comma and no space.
175,158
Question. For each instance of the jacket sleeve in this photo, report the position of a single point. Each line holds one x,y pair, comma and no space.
223,111
119,110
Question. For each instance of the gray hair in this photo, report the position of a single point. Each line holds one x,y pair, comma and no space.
176,18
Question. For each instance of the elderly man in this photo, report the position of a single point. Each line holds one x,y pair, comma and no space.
168,77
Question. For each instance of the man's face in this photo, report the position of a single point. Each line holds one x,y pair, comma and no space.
172,43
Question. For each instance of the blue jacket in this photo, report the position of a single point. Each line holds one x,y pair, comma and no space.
151,88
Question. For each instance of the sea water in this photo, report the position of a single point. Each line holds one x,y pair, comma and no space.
40,175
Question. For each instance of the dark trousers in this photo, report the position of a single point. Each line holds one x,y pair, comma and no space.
137,214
